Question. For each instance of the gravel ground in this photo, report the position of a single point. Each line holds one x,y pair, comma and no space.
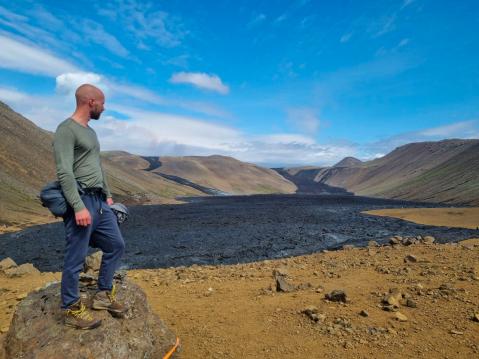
235,229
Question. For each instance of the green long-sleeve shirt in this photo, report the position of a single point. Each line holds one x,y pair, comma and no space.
77,158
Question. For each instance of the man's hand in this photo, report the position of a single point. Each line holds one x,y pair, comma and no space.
83,217
109,201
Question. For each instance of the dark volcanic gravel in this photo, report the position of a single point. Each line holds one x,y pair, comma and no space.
223,230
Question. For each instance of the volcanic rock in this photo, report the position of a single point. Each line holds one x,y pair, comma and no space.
37,330
411,303
282,285
410,259
364,313
336,296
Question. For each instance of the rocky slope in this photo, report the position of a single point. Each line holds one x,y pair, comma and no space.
444,171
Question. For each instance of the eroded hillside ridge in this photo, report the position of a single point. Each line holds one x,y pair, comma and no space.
439,172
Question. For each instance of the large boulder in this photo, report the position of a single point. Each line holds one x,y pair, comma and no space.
37,329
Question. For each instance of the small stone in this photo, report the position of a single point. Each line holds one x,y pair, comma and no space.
411,303
390,308
395,240
3,330
428,240
336,296
281,271
7,263
410,259
310,309
392,298
348,246
475,317
364,313
456,332
373,244
283,286
400,317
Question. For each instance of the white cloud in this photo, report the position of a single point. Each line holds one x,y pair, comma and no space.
463,129
24,57
66,84
304,119
137,92
45,111
95,33
200,80
12,95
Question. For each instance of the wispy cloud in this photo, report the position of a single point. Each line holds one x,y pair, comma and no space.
200,80
305,119
95,33
256,20
145,23
463,129
21,56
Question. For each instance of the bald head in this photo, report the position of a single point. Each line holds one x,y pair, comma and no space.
87,92
91,98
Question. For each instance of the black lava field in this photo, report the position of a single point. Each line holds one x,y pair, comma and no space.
234,229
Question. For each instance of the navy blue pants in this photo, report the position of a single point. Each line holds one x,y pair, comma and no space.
102,233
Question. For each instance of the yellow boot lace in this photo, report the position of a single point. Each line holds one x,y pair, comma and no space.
112,294
81,313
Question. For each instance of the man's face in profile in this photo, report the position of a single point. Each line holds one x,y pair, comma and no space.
97,106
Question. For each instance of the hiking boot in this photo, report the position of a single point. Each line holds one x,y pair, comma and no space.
106,300
78,317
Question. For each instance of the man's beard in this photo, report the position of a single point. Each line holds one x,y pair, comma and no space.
94,115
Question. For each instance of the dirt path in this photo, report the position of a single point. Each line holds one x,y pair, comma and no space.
450,217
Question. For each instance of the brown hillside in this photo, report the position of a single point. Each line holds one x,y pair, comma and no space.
226,174
26,164
443,171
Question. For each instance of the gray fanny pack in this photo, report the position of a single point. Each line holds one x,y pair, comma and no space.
52,197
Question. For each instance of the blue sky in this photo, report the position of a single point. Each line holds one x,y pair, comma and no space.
277,83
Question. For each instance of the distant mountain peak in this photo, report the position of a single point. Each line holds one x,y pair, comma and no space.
348,162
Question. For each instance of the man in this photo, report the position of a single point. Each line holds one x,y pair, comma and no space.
89,220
